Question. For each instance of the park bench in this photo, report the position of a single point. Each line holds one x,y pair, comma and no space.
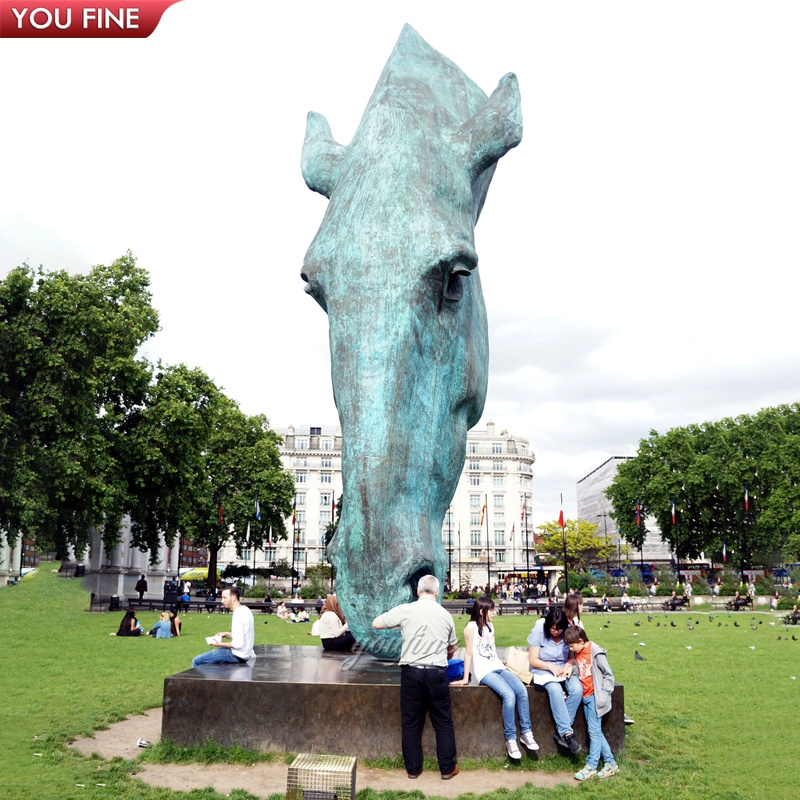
746,601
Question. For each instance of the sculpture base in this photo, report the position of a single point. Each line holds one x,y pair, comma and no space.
306,699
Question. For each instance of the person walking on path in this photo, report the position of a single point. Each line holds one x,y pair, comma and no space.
141,587
481,660
429,639
239,650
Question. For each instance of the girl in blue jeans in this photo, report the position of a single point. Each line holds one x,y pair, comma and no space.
481,660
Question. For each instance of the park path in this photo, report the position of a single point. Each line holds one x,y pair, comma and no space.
266,778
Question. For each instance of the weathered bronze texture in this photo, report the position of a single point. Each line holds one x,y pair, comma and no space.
304,699
394,265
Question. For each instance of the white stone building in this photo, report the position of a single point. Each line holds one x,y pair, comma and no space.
497,473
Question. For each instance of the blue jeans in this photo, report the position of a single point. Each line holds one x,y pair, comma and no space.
513,694
564,710
219,655
598,746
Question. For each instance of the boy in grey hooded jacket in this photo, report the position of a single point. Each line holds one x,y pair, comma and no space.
598,684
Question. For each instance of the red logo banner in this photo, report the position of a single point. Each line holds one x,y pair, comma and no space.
80,19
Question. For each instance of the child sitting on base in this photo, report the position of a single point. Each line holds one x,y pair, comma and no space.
598,684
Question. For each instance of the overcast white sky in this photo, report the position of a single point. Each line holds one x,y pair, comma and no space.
639,250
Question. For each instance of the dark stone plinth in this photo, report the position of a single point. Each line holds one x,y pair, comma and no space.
304,699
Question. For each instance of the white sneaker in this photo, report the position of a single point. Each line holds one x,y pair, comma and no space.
513,748
528,740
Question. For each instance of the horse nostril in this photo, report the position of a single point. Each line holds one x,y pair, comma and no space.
455,286
304,276
413,579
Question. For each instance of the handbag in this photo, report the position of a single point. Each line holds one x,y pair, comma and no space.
455,669
518,664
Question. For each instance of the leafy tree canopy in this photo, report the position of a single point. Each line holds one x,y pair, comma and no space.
584,546
68,378
735,483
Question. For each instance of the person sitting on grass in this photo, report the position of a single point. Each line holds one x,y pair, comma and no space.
163,628
597,681
175,623
130,625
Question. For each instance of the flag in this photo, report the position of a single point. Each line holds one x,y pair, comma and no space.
561,519
297,536
747,497
269,537
294,511
512,532
333,507
638,513
258,509
247,535
673,510
724,551
524,509
483,512
219,509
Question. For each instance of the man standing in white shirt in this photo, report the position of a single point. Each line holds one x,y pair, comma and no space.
239,650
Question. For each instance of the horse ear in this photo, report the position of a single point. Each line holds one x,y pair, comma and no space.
493,130
321,155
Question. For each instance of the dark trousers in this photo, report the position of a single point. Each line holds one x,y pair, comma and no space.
421,691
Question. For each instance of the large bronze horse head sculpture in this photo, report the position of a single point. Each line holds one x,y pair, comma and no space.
394,266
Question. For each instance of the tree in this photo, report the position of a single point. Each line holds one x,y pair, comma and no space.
164,450
69,377
735,485
584,546
241,461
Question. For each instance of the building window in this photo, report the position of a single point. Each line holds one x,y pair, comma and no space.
475,520
498,466
499,538
472,447
500,556
475,466
324,516
299,556
301,462
326,463
474,480
475,538
325,477
300,499
447,538
448,518
499,520
301,518
325,498
269,554
499,501
244,555
326,444
474,501
497,447
497,480
301,443
523,449
475,554
301,477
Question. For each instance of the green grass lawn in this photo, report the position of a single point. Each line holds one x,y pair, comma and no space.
716,708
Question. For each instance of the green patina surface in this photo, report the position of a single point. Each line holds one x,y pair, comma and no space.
394,266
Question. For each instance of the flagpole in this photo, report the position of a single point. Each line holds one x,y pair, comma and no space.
564,534
450,546
460,557
527,550
488,552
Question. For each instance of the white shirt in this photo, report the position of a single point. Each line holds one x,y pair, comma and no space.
243,633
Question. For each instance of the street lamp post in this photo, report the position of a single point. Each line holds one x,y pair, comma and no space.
605,529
